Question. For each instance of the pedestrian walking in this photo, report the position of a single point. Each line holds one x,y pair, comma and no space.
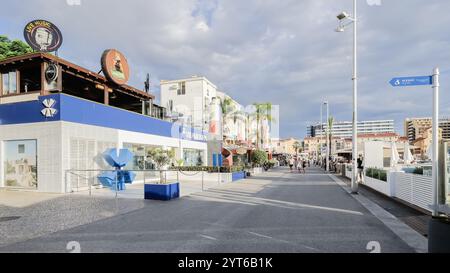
360,168
291,163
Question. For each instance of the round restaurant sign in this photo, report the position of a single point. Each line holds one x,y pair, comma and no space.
42,36
115,66
51,73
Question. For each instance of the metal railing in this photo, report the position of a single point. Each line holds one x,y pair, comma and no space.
190,181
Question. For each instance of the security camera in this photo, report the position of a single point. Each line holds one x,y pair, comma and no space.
343,15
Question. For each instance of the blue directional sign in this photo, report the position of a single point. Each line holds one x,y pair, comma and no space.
411,81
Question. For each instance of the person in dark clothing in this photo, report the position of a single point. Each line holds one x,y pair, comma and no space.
360,167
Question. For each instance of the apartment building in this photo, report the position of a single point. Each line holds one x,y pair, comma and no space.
415,128
345,128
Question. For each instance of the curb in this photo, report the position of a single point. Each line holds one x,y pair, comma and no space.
411,237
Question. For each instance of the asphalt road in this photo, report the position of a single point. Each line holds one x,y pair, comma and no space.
276,212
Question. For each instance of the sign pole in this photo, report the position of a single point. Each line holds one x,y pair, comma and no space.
435,146
354,181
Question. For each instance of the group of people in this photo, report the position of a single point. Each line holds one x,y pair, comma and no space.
300,165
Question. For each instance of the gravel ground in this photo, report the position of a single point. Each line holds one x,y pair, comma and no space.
23,223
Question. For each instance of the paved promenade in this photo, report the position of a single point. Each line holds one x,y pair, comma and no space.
278,211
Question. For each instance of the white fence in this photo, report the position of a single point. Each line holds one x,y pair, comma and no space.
378,185
414,189
348,173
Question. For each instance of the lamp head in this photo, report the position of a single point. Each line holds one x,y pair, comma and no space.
343,15
339,29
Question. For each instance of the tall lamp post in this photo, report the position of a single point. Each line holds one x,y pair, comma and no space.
345,20
321,132
327,138
326,133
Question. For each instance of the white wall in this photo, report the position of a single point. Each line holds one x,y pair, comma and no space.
21,98
54,147
49,165
199,92
373,154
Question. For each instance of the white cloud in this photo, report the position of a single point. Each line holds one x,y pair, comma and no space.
280,51
202,26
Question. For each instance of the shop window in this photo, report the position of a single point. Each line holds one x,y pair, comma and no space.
21,148
20,163
193,157
9,83
181,88
30,78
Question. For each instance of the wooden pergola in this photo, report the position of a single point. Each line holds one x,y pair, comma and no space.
72,79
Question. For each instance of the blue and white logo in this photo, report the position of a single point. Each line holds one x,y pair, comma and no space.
49,111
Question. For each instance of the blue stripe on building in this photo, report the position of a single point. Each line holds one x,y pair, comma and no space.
73,109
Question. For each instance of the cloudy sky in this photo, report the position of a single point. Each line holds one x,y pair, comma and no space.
282,51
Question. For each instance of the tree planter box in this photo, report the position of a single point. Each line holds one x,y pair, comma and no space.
257,170
238,176
162,192
378,185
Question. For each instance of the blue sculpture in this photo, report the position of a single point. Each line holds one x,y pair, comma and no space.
117,179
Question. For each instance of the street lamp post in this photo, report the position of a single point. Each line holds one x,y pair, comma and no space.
353,20
327,134
321,133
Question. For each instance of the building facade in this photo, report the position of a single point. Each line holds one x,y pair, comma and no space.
345,128
286,146
422,143
415,128
316,146
191,98
66,123
201,105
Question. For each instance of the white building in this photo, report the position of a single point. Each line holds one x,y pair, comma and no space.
345,128
51,129
235,120
191,97
200,103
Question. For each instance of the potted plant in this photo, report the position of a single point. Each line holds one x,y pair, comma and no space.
162,191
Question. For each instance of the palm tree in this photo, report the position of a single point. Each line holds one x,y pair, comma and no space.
226,106
296,147
238,115
263,111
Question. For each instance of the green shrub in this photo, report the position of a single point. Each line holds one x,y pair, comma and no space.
259,157
272,163
377,174
418,170
210,169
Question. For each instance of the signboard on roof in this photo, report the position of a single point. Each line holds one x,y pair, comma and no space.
115,66
43,36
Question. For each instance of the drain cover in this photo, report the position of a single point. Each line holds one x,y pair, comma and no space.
9,218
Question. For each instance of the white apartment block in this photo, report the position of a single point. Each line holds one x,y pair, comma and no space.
190,97
197,100
345,128
235,121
